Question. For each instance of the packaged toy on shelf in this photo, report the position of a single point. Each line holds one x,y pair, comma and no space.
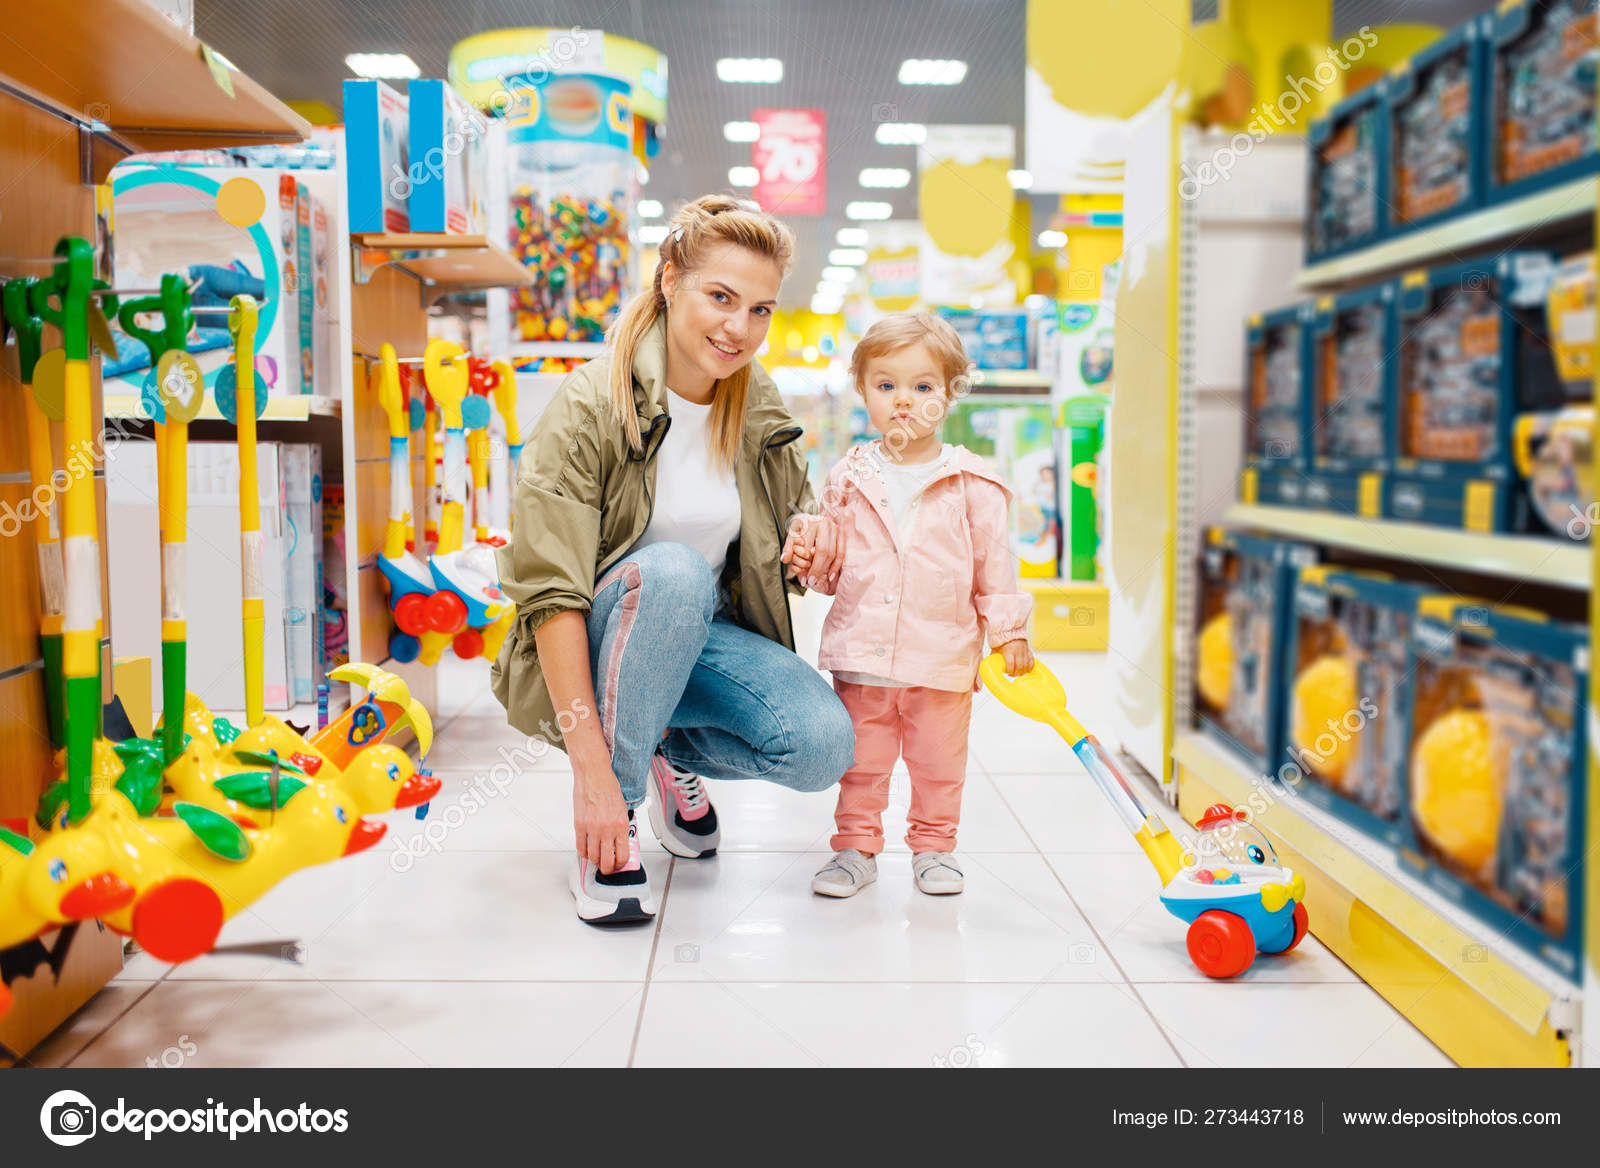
1347,193
377,157
1496,769
1352,387
572,179
1435,139
1541,117
447,160
1349,666
1245,585
1473,354
1277,406
1002,339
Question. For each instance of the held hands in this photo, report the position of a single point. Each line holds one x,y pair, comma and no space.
1018,656
814,550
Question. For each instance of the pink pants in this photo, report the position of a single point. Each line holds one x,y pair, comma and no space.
928,728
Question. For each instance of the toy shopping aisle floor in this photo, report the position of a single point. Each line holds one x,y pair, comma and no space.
458,946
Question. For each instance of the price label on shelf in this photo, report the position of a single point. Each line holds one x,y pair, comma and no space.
790,158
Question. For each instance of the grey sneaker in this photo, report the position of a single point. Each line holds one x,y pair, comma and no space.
937,873
846,874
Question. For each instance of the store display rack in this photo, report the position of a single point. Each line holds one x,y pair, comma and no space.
444,264
279,408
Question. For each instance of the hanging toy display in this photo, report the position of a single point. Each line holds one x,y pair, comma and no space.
410,582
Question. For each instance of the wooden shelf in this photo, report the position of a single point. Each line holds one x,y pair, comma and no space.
1517,223
1519,557
120,64
445,264
1382,904
557,348
1028,381
280,408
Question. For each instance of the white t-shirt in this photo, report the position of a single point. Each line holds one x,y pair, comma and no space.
901,483
696,502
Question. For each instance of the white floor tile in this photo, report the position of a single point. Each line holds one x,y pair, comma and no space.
1065,812
1121,896
1229,1024
88,1023
837,1024
754,918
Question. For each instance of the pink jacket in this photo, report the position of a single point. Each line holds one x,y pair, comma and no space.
920,614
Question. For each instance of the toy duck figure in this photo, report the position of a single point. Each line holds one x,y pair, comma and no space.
68,877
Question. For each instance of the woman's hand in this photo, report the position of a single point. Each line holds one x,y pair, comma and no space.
813,551
799,547
1018,656
599,815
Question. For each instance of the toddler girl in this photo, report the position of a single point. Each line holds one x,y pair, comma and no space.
927,576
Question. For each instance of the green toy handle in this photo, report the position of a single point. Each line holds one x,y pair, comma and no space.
173,304
71,283
21,319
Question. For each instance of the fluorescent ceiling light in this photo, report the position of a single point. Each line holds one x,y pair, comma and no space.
741,131
1020,180
851,237
1052,239
885,176
868,210
743,176
840,275
831,289
920,72
847,257
652,233
901,133
382,65
826,305
650,209
757,70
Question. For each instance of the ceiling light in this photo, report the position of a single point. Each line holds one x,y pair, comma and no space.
841,275
847,257
743,176
652,233
384,65
758,70
741,131
868,210
826,305
831,289
1051,239
918,72
851,237
649,209
885,176
644,176
810,353
901,133
1020,180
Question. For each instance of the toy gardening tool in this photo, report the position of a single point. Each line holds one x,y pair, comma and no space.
241,404
505,401
410,581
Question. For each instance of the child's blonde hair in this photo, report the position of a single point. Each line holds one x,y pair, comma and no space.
900,329
697,227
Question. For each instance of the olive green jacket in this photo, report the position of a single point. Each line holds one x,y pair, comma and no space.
583,498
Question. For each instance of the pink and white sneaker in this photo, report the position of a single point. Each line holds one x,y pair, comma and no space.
681,814
622,898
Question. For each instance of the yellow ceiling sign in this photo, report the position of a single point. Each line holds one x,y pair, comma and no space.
966,209
1106,58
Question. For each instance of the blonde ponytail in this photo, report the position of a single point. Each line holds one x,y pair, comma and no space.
707,221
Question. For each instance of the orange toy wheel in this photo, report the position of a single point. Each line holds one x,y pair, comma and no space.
411,613
1220,944
468,644
178,920
447,612
1301,924
5,999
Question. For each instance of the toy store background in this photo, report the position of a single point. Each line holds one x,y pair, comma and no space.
1284,325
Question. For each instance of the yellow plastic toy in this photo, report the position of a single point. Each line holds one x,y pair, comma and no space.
1214,674
1323,694
46,885
1454,792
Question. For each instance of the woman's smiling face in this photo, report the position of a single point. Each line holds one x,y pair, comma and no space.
718,316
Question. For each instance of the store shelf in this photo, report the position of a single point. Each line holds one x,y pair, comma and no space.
1529,994
1010,381
1512,223
121,65
1520,557
280,408
445,264
558,348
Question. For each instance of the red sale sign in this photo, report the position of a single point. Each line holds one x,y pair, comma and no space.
791,159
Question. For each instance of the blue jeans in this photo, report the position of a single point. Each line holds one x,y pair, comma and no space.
734,704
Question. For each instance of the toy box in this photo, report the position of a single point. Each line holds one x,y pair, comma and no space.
1359,494
320,277
1352,341
1349,673
1435,105
1277,403
377,157
447,160
1245,585
1496,769
1002,340
1277,486
1348,184
1015,437
1541,107
232,230
1473,353
302,606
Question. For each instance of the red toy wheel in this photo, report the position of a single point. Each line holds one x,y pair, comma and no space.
1221,944
5,999
411,614
468,644
447,612
178,920
1301,923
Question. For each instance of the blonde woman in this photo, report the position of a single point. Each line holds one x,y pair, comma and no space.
652,639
